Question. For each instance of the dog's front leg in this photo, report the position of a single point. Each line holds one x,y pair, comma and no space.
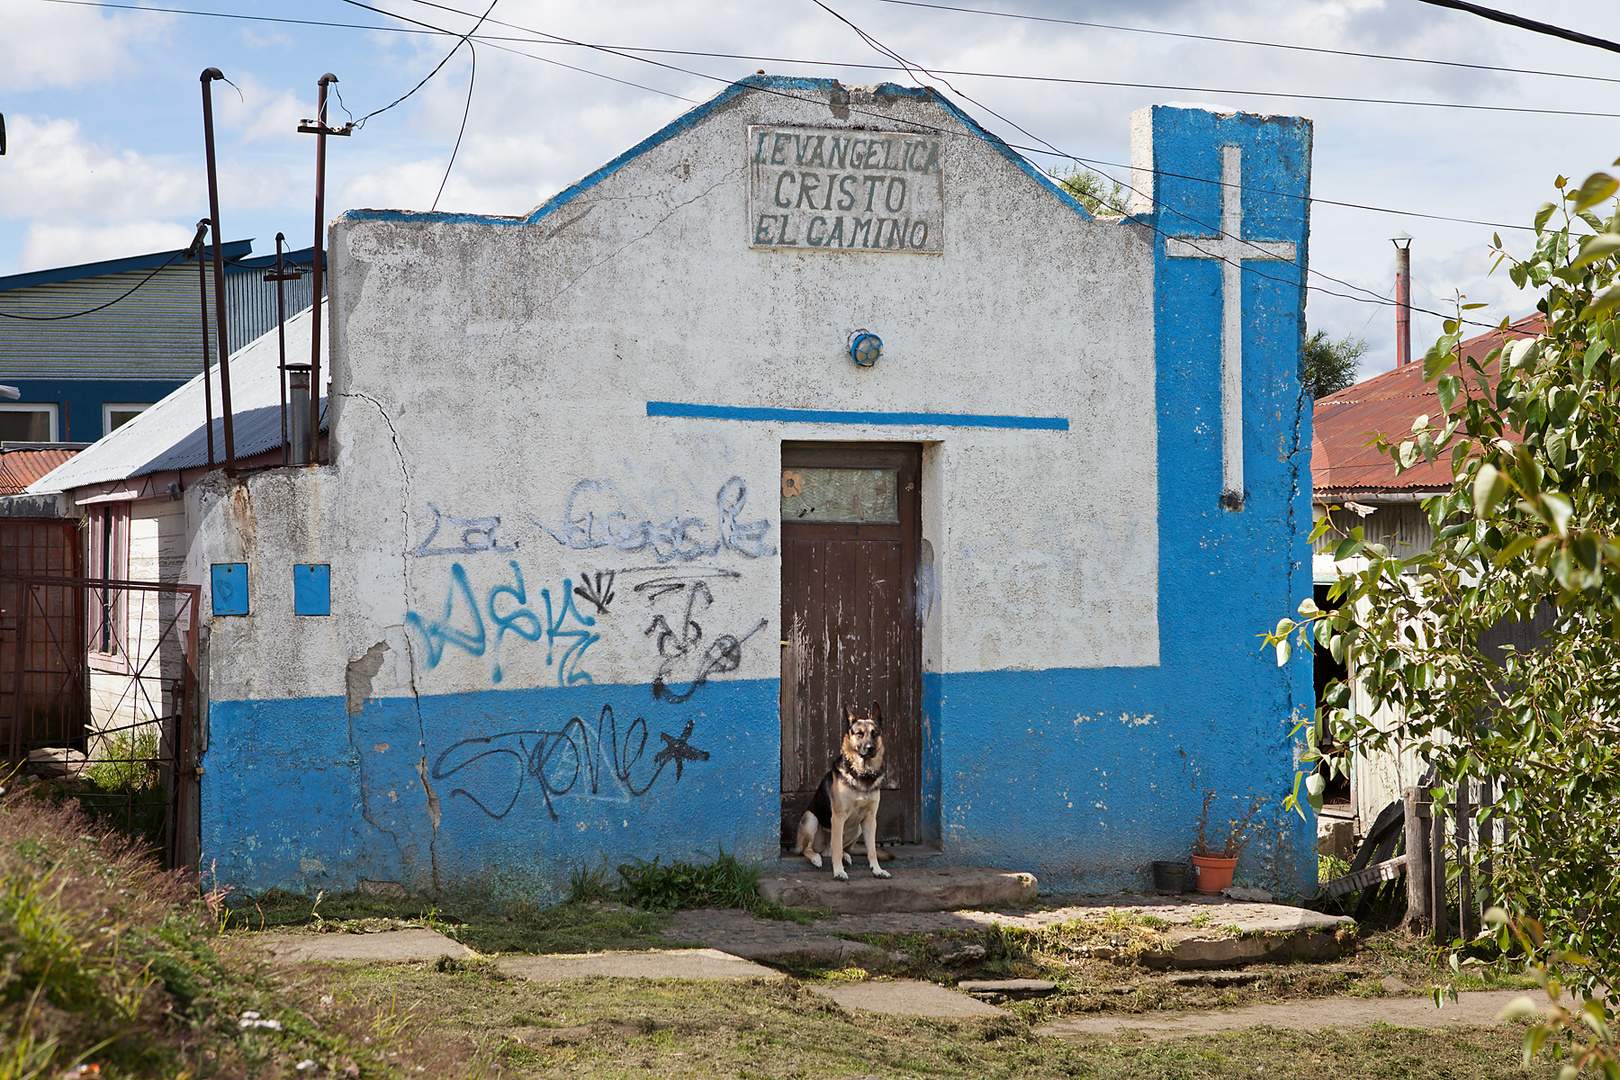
869,833
836,841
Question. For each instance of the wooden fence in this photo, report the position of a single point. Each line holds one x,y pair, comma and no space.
1412,838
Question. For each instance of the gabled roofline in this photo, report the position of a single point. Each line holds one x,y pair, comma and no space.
234,249
777,84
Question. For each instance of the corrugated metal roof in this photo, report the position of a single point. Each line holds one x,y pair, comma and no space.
1344,423
19,468
154,333
234,249
171,434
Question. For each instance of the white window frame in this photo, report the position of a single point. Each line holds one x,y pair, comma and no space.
35,406
107,408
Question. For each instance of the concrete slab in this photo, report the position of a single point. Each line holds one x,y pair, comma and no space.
1472,1009
655,964
387,945
904,997
1013,988
910,889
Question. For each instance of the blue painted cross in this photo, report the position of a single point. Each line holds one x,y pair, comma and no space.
1230,247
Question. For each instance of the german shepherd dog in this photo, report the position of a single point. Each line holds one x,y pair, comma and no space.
846,803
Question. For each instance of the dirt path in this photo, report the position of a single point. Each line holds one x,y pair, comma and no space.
1472,1009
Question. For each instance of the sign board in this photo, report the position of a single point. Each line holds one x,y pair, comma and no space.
836,189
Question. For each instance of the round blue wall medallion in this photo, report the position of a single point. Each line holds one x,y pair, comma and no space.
865,348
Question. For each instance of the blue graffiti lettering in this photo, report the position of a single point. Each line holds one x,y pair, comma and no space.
477,534
600,515
519,619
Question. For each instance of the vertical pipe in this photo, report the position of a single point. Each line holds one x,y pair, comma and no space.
202,298
281,340
208,76
21,675
320,269
1403,302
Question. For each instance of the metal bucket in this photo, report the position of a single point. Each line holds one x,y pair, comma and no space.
1169,878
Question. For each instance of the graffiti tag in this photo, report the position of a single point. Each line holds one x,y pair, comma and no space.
508,611
477,534
599,514
558,761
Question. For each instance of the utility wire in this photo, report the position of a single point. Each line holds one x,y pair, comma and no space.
472,77
1277,44
99,307
1526,24
629,51
626,53
360,123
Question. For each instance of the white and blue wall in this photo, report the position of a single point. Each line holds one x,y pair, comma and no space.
550,433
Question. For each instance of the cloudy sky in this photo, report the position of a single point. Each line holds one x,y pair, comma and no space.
102,109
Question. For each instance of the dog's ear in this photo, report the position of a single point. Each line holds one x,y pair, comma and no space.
877,714
849,718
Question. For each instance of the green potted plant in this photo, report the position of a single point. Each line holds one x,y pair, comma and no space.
1215,853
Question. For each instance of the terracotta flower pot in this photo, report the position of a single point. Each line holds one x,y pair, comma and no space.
1214,872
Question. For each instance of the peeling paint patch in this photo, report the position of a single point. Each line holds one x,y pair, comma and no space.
358,677
312,866
1124,718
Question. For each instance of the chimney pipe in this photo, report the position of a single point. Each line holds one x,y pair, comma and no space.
1403,299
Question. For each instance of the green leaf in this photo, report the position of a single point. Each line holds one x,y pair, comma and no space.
1603,304
1544,212
1489,488
1555,509
1284,651
1595,248
1598,186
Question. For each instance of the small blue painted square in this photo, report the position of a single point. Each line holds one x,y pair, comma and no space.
312,589
230,588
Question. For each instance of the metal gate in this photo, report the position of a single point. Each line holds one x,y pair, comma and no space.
107,668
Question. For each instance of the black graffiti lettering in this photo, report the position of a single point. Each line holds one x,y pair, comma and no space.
598,591
559,760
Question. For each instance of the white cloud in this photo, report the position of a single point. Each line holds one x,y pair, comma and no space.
51,170
48,244
62,45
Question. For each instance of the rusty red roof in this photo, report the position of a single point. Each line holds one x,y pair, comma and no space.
19,468
1345,422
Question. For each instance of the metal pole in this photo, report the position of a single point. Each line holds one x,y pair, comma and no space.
208,76
202,299
1403,300
319,271
281,341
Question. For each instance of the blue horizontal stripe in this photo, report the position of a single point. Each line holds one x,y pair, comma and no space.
835,416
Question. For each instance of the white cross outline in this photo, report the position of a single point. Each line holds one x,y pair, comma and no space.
1230,247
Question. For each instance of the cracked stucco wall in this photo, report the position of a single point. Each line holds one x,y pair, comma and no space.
521,555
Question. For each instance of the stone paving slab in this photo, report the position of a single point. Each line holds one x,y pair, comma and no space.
387,945
1472,1009
904,997
739,932
656,964
910,888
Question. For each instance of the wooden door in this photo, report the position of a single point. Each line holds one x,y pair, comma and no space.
851,525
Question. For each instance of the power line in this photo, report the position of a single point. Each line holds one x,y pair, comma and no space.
632,52
1190,241
1526,24
466,111
1269,44
625,53
99,307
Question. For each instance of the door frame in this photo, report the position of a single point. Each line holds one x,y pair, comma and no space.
906,458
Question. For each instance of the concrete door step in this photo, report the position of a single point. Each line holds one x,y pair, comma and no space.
911,888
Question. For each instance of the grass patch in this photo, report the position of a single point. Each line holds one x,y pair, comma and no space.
620,1027
725,882
105,958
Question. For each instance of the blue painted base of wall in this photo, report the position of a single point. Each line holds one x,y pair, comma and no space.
503,793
